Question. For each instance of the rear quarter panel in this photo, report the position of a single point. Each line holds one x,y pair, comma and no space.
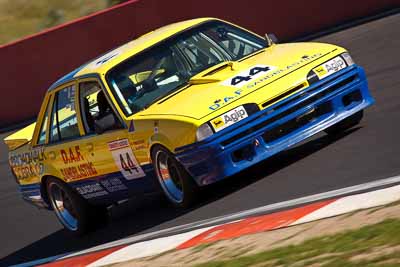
27,164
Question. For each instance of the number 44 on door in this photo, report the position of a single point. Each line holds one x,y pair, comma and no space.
125,159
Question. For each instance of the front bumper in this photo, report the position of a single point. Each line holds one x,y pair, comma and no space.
277,127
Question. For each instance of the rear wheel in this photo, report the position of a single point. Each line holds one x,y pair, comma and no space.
345,124
74,213
177,185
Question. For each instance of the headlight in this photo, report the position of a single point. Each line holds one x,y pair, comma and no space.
203,132
349,61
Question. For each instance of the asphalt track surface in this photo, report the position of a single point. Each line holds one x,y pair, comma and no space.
366,153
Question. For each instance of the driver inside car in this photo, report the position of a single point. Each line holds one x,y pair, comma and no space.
106,119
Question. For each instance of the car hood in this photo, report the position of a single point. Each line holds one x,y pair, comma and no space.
273,71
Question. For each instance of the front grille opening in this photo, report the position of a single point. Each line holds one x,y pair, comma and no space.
288,92
244,153
238,136
353,97
296,123
323,93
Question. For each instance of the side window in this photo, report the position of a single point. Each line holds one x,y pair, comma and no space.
64,124
95,108
43,127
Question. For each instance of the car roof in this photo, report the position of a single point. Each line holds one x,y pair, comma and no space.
103,63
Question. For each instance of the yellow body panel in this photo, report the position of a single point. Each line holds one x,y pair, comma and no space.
172,123
21,137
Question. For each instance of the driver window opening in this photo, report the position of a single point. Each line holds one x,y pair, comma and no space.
95,108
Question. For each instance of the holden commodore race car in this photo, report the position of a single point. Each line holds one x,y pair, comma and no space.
179,108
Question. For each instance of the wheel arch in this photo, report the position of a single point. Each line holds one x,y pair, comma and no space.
154,146
162,140
43,187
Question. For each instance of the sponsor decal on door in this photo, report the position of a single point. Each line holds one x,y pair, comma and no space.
125,159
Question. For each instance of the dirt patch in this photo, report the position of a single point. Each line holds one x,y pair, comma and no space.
294,235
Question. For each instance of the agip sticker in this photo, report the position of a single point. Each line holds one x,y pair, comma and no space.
229,118
125,159
330,67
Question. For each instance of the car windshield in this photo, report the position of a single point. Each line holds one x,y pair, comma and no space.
166,67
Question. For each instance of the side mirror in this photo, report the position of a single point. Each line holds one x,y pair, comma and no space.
106,123
271,39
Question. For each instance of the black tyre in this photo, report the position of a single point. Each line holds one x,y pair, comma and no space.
72,210
345,124
175,182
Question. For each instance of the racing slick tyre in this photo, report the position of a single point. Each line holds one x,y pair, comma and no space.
175,182
345,124
73,211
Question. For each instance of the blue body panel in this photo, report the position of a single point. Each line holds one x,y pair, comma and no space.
277,127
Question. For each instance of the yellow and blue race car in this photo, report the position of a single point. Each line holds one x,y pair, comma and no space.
178,108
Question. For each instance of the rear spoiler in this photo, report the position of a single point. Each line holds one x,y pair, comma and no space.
20,137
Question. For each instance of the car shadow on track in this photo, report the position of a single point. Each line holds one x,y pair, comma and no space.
138,215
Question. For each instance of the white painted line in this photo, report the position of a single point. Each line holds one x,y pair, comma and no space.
353,203
147,248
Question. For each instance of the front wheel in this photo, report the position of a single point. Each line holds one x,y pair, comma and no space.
345,124
177,185
74,213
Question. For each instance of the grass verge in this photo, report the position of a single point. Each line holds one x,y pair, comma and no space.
19,18
372,245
